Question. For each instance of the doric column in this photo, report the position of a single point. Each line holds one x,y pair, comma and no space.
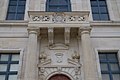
89,65
31,70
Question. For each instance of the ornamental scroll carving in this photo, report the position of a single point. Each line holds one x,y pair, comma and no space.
72,68
59,17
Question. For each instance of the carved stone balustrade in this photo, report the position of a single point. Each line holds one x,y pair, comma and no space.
36,18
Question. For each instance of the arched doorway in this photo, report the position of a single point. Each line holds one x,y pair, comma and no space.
59,77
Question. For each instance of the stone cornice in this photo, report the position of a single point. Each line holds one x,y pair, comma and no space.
73,25
104,23
13,23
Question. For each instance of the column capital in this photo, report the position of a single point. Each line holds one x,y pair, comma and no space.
33,30
84,30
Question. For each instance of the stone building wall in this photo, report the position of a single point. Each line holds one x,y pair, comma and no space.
62,57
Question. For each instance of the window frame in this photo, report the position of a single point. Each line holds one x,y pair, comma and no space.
98,6
48,6
14,51
8,63
97,50
16,11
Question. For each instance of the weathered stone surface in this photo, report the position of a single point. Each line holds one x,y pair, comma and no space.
60,43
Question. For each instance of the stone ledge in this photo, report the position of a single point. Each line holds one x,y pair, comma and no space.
104,23
58,25
13,23
13,35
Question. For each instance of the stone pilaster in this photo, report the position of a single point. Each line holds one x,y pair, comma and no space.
89,64
31,70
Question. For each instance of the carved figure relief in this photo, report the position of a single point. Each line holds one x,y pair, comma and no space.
75,56
42,57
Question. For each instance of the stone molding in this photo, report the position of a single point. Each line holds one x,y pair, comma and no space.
13,34
104,23
84,30
33,30
16,23
58,46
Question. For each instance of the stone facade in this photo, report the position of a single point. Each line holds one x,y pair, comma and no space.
60,43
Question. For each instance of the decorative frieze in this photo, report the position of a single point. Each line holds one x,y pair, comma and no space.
58,17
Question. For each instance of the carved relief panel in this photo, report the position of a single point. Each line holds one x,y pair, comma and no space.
58,17
59,63
59,58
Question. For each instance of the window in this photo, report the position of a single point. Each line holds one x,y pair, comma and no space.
9,66
58,5
109,64
16,10
99,10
